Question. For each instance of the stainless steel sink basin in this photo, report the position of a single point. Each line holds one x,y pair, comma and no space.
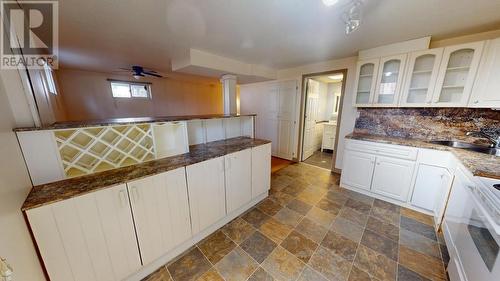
469,146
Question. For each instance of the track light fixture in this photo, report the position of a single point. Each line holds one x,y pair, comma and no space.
352,17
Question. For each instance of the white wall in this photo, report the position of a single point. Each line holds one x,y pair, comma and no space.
15,242
348,110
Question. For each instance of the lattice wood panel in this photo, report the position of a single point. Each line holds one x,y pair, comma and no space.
89,150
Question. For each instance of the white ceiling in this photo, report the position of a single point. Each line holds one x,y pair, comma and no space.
105,35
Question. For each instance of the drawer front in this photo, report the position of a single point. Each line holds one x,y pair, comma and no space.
398,151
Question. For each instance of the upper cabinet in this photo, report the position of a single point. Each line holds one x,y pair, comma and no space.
422,70
366,77
456,74
389,80
486,90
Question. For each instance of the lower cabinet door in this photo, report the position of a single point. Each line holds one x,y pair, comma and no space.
392,177
161,212
357,169
261,169
207,199
429,187
89,237
238,175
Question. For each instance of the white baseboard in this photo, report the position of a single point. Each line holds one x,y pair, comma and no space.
152,267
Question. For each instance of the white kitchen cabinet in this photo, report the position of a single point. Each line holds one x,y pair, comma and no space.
160,208
90,237
358,169
392,177
261,169
207,198
431,189
389,80
238,175
486,90
422,72
366,78
456,75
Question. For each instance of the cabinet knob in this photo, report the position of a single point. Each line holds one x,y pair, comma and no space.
476,101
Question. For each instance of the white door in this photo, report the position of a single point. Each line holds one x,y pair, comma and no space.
161,212
486,91
206,193
389,80
267,122
357,170
286,118
392,177
238,175
261,169
422,72
366,77
90,237
456,74
310,118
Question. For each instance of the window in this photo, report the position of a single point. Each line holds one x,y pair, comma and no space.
123,89
49,78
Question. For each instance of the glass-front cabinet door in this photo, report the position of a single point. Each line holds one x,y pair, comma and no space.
365,82
389,80
422,72
456,74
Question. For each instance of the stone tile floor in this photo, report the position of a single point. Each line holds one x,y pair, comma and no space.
310,229
322,159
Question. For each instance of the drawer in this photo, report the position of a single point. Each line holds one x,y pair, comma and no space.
391,150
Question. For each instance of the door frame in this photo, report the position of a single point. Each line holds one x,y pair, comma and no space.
303,99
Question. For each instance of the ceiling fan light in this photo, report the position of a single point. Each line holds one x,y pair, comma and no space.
136,76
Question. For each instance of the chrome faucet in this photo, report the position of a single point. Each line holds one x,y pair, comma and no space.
492,137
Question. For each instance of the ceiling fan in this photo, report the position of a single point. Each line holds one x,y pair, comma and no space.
139,71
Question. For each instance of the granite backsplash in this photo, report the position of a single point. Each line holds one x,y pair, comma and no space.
426,123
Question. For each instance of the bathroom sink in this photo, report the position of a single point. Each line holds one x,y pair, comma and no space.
468,146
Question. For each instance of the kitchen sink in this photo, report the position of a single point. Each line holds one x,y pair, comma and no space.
468,146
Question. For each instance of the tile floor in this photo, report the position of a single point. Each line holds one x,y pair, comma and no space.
321,159
310,229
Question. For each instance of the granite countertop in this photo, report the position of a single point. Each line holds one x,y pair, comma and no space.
125,121
65,189
479,164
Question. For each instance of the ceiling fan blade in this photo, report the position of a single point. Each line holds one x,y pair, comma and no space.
152,74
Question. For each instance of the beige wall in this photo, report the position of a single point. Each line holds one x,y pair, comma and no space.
15,242
87,95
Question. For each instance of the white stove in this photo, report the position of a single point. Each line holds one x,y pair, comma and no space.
472,228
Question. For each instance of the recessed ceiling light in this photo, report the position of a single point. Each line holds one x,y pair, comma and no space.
330,2
336,77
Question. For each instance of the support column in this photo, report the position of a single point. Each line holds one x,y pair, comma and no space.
229,93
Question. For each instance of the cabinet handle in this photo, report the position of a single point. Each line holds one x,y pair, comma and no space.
121,196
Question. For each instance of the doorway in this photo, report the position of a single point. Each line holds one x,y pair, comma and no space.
322,108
